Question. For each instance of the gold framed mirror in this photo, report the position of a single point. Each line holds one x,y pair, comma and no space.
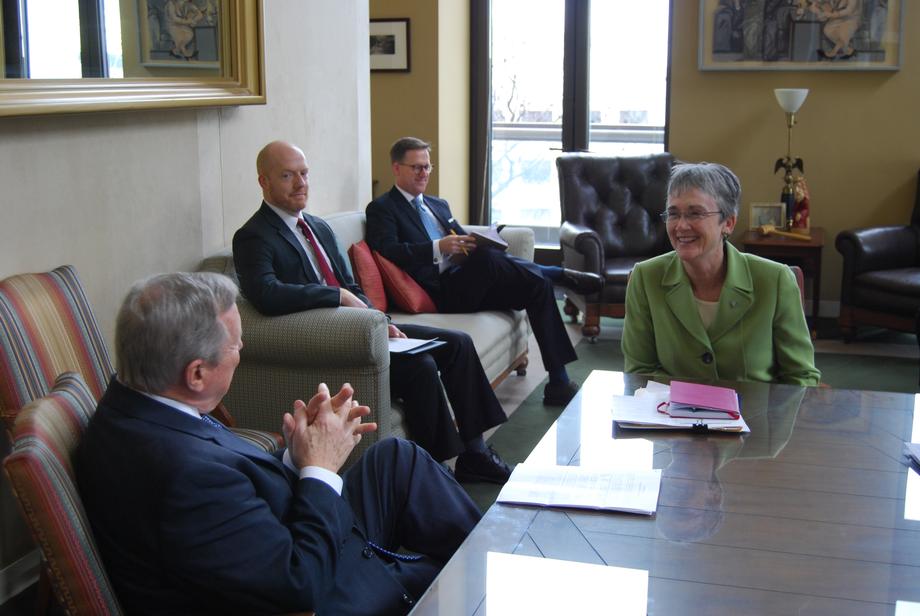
239,81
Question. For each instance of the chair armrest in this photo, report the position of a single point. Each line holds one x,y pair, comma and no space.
324,337
581,248
520,239
285,358
877,248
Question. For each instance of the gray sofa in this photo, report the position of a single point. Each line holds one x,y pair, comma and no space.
285,357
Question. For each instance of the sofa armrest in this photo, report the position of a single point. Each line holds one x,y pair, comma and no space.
285,358
520,239
878,248
581,248
324,337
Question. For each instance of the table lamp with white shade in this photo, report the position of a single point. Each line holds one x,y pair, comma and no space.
790,99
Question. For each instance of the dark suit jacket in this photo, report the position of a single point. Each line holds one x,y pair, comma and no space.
274,272
395,230
191,519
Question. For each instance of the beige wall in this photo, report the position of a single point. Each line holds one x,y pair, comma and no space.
431,101
857,133
124,195
406,103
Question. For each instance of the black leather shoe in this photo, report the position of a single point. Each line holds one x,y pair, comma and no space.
582,283
481,466
559,394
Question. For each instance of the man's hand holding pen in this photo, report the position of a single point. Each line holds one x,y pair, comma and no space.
454,244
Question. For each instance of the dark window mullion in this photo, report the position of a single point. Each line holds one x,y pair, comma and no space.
92,39
576,70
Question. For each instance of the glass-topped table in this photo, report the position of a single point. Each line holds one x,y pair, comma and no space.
814,512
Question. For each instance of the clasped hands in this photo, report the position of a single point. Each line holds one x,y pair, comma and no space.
323,431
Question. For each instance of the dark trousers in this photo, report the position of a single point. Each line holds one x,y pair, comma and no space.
493,280
402,498
416,380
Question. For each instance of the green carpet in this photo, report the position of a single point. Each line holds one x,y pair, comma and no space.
515,439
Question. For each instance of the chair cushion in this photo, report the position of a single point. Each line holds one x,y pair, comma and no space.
45,436
368,275
47,327
402,289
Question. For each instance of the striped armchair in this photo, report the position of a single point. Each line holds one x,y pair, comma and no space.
46,434
47,327
39,468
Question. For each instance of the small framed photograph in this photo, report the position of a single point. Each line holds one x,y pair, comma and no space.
800,35
390,45
768,214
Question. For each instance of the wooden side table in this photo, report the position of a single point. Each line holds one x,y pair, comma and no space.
804,253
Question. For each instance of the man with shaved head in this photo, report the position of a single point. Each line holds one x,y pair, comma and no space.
288,260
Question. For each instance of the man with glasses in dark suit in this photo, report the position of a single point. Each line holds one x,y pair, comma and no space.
418,233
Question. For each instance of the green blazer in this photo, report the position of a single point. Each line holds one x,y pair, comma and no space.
759,333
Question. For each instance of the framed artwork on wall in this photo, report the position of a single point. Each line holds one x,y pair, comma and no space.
179,33
789,35
389,45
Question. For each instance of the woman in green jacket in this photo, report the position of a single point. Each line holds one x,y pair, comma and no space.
707,311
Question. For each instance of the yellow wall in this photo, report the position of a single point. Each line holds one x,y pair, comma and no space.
431,101
406,103
857,133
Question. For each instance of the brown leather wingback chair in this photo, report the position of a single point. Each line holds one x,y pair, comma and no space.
610,214
881,276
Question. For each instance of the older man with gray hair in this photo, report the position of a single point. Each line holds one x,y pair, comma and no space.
191,519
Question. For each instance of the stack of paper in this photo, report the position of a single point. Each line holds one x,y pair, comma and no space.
411,346
585,488
641,411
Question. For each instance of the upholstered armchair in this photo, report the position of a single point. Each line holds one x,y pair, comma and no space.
610,222
881,276
47,327
46,434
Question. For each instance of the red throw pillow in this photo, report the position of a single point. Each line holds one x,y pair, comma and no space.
402,289
367,274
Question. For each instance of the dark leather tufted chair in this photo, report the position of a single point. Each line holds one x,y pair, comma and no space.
881,276
610,213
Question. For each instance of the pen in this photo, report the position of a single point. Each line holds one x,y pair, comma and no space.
452,232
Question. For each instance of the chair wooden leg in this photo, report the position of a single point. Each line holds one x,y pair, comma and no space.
570,309
592,327
521,369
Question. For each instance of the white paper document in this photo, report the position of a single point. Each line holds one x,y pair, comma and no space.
640,411
581,487
413,345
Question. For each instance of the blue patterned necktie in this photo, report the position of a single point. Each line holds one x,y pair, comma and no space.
427,219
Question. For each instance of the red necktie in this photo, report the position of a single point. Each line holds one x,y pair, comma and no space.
324,268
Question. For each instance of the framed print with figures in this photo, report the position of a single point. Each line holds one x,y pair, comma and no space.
179,33
790,35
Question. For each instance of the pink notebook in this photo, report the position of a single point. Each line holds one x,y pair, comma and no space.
703,401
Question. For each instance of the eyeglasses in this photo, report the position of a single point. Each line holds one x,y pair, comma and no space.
418,169
691,216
